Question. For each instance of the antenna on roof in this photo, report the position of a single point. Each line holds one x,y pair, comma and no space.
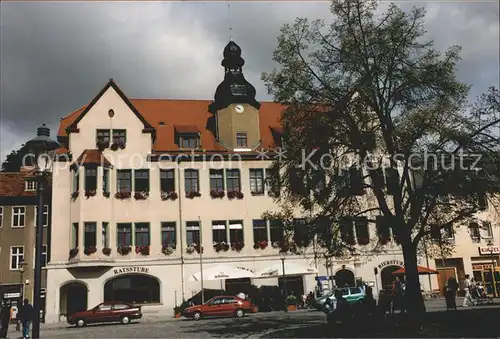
229,22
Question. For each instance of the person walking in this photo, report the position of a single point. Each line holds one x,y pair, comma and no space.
4,318
467,287
451,293
26,316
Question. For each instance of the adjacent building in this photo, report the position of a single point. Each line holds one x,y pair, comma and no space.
149,190
18,207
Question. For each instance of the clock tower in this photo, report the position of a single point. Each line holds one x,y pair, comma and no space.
235,108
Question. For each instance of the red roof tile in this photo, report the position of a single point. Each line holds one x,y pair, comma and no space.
92,157
13,185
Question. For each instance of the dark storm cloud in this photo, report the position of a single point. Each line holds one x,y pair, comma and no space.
55,57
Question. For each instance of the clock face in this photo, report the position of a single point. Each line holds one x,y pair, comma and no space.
240,109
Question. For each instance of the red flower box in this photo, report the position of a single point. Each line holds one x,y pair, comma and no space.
144,250
74,195
106,194
73,252
237,246
171,195
123,195
235,195
192,195
106,251
217,194
89,250
124,250
90,193
141,195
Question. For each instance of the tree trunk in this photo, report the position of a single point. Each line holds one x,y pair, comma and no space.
413,296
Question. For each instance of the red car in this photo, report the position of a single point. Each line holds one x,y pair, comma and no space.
106,312
219,306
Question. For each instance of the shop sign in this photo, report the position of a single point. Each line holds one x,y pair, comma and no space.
489,250
135,269
391,263
11,295
479,267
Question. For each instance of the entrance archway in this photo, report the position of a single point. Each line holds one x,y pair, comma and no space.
344,278
133,288
72,298
386,276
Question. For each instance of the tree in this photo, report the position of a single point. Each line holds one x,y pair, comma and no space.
375,108
14,160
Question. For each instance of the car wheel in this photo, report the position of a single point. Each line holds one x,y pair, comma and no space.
197,316
240,313
80,323
125,320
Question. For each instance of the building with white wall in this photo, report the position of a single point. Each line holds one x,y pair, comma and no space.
141,183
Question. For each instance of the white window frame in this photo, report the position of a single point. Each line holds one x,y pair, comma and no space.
30,185
44,252
1,216
17,255
18,214
45,213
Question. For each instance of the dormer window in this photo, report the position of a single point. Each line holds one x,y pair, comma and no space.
241,139
189,141
30,185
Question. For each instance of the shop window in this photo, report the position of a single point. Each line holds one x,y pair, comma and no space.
137,289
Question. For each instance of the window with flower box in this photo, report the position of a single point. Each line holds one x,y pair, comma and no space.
384,232
347,230
105,179
273,182
141,180
90,178
168,234
391,180
236,231
167,180
362,231
192,233
257,181
217,180
219,231
191,181
475,233
142,234
90,235
74,235
103,137
300,232
119,136
124,234
76,179
124,180
259,230
276,230
233,180
105,234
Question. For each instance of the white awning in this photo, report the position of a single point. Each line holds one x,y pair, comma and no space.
220,272
235,226
291,268
218,227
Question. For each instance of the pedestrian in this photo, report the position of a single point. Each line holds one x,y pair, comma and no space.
467,287
4,318
26,315
451,293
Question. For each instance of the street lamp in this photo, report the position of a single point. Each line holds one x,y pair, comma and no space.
491,248
43,149
283,255
20,268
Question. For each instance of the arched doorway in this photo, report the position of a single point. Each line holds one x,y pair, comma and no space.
344,278
386,276
133,288
72,298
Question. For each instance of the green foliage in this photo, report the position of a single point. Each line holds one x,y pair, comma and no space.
371,92
292,300
14,160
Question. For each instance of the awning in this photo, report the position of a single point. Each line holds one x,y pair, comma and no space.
421,271
221,272
92,157
291,268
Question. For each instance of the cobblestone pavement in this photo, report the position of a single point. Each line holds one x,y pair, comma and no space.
258,325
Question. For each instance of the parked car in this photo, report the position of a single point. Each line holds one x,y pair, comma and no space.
219,306
106,312
351,294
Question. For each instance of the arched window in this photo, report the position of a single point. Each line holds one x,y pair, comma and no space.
133,288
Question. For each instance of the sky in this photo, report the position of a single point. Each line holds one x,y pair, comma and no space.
56,56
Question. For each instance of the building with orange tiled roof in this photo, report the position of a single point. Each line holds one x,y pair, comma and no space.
148,190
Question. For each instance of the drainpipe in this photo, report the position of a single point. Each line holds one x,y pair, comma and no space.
178,161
